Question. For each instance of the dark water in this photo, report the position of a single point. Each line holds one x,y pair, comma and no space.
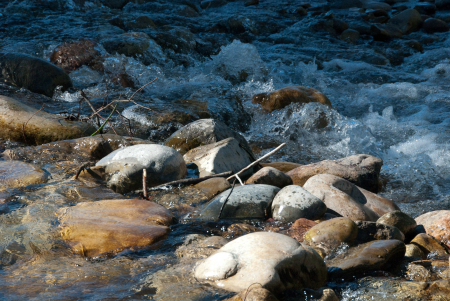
388,101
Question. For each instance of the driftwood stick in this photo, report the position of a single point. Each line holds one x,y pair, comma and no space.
82,167
144,183
259,160
91,106
194,180
226,200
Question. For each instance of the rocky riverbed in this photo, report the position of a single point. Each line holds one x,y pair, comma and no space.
356,206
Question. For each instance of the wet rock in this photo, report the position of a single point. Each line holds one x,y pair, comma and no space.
347,199
77,150
345,3
436,224
376,5
117,141
19,122
322,294
407,21
442,4
251,2
425,8
239,229
32,73
400,220
293,202
293,94
203,132
432,25
141,22
93,228
362,170
72,55
215,158
270,176
368,231
428,244
375,256
244,202
116,4
200,247
329,235
212,3
413,252
19,174
417,272
214,186
299,228
177,38
124,166
254,293
350,36
385,32
282,166
276,261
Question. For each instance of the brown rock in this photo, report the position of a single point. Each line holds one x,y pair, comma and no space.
72,55
368,231
437,224
362,170
400,220
417,272
282,166
293,94
19,174
300,227
432,25
347,199
113,225
213,187
414,252
254,293
236,230
428,244
270,176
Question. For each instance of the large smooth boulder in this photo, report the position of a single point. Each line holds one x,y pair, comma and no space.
362,170
19,122
328,235
407,21
222,156
93,228
19,174
124,166
270,176
400,220
203,132
293,202
32,73
275,261
377,255
436,224
244,202
294,94
429,244
347,199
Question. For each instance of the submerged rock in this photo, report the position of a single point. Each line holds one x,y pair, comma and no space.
72,55
124,166
19,122
436,224
32,73
225,155
15,174
244,202
93,228
275,261
362,170
294,94
293,202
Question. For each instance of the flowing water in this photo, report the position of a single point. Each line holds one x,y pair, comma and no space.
387,101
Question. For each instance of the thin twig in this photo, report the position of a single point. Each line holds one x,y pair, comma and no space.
246,293
25,124
224,203
129,99
144,183
259,160
82,167
104,123
92,107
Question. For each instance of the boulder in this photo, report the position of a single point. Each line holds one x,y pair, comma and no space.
275,261
282,166
244,202
432,25
72,55
400,220
203,132
270,176
428,244
32,73
225,155
407,21
93,228
124,166
299,228
214,186
293,94
347,199
413,252
436,224
329,235
15,174
19,122
385,32
350,36
377,255
361,170
293,202
368,231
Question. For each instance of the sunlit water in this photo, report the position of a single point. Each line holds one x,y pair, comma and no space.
399,113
